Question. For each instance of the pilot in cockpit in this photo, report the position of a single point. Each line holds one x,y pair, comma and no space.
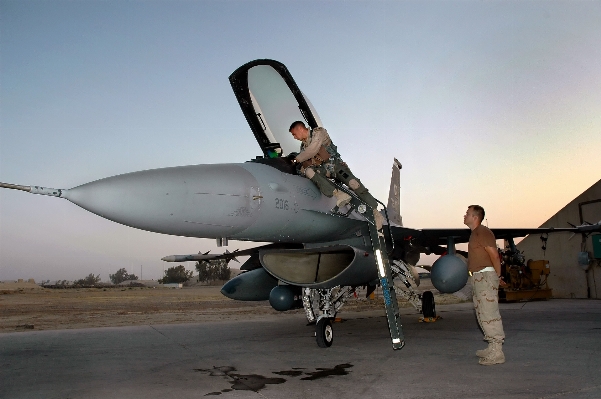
320,160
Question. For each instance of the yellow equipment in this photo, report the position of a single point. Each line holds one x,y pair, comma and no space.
527,282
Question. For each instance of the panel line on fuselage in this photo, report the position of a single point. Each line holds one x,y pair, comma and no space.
209,224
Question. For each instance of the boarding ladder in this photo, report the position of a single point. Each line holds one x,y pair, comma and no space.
380,251
391,305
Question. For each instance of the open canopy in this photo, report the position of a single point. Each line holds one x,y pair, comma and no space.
271,101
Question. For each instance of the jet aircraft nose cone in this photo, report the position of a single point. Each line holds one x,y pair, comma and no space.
205,201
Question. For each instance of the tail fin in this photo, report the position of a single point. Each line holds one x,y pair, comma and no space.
394,196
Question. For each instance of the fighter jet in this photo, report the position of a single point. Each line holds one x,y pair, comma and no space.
318,254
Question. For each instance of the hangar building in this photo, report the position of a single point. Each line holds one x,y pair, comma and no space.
569,277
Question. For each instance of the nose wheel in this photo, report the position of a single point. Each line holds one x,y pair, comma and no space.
324,332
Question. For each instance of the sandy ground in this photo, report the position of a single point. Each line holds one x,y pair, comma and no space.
33,308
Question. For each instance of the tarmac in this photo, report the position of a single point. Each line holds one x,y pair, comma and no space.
553,350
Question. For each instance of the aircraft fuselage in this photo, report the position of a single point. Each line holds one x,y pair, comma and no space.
242,201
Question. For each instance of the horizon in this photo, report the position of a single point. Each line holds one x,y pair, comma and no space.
496,103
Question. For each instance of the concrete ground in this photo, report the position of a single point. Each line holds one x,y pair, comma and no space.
553,350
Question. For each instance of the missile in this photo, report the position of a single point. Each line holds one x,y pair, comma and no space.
187,258
199,257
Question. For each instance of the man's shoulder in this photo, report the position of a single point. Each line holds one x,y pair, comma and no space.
319,130
483,231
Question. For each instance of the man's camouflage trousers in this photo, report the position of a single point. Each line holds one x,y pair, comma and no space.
486,303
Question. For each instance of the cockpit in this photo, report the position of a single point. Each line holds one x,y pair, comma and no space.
271,101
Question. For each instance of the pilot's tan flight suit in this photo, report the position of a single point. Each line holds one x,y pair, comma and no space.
320,160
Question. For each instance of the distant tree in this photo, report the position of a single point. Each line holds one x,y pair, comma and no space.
213,270
176,274
90,280
224,272
203,268
121,275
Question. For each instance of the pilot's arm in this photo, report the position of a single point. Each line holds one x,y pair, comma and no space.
312,149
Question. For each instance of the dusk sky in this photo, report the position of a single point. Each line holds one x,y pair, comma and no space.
496,103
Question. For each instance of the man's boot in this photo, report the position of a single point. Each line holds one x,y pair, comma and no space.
495,356
342,198
484,352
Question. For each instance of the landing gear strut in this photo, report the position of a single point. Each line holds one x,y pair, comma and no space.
322,305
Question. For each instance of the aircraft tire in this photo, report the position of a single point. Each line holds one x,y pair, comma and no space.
428,305
324,333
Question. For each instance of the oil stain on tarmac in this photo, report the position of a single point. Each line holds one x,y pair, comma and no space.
322,373
255,382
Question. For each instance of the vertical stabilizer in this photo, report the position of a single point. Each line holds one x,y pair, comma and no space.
394,196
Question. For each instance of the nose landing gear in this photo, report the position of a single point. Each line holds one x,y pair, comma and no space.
324,332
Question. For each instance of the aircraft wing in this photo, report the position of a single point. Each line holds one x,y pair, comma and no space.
434,238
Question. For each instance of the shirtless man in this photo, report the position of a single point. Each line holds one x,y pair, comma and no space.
484,265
